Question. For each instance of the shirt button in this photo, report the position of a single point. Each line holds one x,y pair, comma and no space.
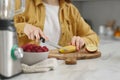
21,33
63,33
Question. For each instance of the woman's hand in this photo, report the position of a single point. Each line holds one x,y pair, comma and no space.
33,32
78,42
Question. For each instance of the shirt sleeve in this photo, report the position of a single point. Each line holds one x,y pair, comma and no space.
19,20
85,31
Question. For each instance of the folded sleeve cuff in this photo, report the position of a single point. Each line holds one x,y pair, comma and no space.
20,29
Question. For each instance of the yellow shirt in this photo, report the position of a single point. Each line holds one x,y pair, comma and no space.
71,22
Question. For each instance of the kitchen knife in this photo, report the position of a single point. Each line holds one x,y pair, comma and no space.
66,49
50,43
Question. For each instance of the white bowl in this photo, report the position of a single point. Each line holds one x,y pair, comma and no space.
31,58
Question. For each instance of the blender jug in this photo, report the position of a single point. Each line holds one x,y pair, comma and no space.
10,53
7,9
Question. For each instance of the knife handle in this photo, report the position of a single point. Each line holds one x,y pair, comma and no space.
42,39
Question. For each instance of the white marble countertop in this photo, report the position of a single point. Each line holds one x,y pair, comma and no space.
107,67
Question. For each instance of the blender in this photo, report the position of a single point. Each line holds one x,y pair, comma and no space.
10,53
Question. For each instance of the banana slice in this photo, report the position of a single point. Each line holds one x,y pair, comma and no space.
91,48
67,49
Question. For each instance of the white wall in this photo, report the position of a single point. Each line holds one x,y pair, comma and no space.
100,11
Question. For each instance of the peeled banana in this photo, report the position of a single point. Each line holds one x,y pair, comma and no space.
67,49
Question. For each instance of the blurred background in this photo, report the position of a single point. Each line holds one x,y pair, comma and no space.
102,15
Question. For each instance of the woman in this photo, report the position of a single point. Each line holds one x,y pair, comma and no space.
55,20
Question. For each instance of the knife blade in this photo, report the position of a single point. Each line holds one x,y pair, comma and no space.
48,42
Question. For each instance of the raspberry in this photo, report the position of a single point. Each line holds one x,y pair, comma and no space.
45,48
34,48
27,50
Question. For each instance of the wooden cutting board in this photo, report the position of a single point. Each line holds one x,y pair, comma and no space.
83,54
